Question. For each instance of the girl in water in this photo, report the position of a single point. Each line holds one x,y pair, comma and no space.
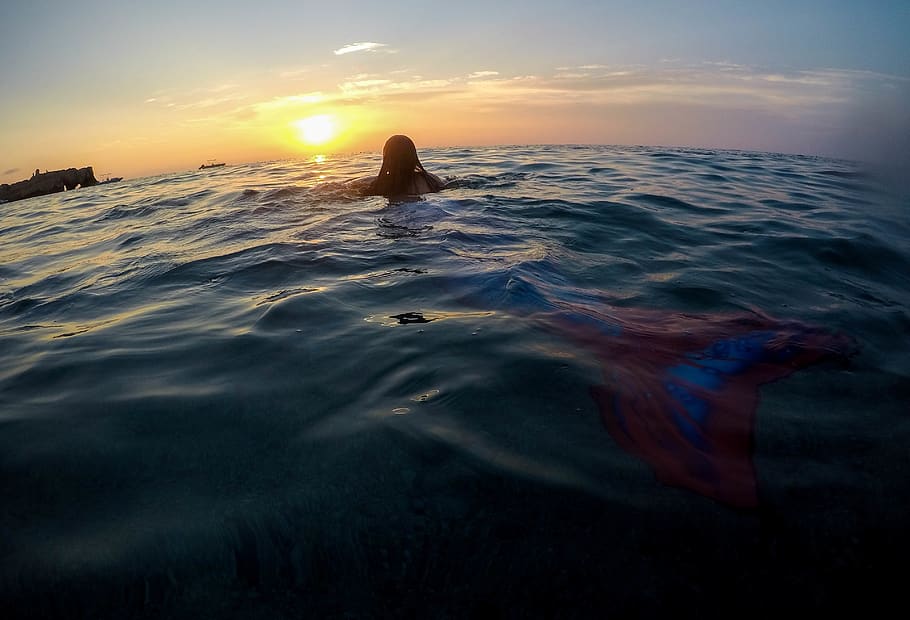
402,173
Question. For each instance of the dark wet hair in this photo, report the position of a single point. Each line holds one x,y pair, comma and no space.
400,169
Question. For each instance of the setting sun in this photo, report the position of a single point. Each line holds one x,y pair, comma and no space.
316,129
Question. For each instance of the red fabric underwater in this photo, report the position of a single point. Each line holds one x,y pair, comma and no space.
680,391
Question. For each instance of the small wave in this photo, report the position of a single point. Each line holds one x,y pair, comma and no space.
130,240
538,166
671,202
126,211
284,294
478,181
391,230
16,306
285,192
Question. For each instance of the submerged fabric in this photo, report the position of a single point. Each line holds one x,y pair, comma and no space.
680,391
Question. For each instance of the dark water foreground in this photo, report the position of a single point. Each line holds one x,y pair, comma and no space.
247,392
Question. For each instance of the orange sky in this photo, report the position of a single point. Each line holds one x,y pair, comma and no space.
143,90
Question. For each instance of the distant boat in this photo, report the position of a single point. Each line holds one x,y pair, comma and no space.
109,179
210,165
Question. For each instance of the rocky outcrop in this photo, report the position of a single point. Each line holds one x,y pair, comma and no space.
48,183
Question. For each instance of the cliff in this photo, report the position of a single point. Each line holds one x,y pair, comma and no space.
48,183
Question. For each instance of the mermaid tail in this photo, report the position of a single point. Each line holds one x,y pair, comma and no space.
681,391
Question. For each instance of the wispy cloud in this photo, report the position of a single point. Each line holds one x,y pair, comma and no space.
676,102
200,98
356,89
297,72
374,88
209,102
279,103
709,86
365,46
362,85
11,171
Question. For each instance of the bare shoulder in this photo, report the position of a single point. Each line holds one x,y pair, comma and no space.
427,183
433,183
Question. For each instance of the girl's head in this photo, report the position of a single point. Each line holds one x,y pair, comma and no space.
399,153
400,168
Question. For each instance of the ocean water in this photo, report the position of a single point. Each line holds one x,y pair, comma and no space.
250,392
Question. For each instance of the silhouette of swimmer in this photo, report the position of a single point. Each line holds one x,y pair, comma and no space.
402,173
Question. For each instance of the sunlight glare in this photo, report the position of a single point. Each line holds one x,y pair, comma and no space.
315,130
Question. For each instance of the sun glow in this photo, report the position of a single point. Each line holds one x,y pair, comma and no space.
315,130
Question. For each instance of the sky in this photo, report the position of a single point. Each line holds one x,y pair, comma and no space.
137,88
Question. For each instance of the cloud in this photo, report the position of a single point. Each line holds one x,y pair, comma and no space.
208,102
712,86
278,103
777,109
361,84
365,46
373,88
355,90
365,86
200,98
11,171
293,74
571,75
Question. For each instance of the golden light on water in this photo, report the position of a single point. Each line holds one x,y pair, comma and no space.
315,130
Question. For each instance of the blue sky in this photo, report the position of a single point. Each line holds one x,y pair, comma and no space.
797,76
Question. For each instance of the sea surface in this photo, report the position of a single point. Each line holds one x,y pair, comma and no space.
250,392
